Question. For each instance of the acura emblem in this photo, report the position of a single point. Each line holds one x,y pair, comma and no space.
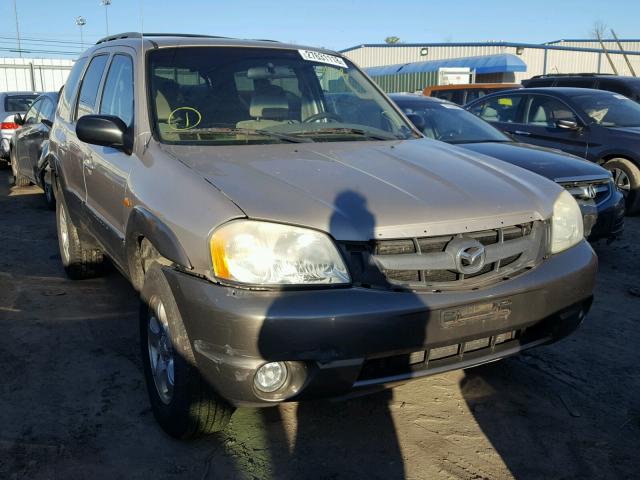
469,255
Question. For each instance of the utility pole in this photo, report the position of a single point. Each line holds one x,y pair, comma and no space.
15,13
105,4
81,22
623,53
606,52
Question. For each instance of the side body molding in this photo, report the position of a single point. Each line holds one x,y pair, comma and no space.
144,223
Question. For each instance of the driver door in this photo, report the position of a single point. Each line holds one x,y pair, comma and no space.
542,112
24,137
106,169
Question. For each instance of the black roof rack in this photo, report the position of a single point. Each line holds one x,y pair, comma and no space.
120,36
546,75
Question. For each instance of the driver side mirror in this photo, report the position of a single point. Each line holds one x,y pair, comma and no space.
105,130
568,124
18,119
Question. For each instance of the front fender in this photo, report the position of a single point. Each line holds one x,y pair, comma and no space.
143,223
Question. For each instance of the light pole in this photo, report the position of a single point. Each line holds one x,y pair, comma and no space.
15,13
105,4
81,22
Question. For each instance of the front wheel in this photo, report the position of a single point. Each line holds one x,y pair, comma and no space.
626,176
80,260
183,403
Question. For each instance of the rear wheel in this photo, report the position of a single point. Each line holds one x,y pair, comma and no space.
183,403
80,260
49,196
18,180
626,176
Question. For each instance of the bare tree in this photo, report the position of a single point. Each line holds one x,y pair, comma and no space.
598,29
392,40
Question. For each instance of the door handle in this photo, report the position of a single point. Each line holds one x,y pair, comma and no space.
88,163
521,132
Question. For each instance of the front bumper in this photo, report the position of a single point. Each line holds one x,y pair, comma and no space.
344,341
605,221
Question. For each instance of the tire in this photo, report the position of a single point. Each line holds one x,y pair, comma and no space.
626,174
79,259
49,197
183,403
18,179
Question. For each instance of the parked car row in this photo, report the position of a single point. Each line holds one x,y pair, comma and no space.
601,203
598,125
28,148
292,234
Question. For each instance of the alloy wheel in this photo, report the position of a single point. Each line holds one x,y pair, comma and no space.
621,179
160,349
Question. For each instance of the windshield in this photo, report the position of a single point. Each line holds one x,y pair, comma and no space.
18,103
613,110
239,96
450,123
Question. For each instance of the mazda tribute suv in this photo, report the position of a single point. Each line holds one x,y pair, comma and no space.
291,234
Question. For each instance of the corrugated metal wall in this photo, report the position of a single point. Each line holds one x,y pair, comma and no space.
31,74
407,82
557,61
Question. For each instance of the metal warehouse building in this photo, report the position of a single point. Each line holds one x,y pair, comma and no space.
410,65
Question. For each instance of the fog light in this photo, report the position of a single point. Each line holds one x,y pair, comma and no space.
270,377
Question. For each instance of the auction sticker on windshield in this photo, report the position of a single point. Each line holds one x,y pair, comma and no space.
320,57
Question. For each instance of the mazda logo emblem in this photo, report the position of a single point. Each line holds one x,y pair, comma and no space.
469,255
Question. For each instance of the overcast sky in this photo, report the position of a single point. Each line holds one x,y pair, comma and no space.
333,24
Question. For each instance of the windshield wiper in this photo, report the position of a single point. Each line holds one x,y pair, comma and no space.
348,131
248,131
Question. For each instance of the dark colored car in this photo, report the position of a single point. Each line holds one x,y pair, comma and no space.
601,126
29,146
11,104
627,86
601,203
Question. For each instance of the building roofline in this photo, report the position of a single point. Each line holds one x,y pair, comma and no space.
605,40
541,46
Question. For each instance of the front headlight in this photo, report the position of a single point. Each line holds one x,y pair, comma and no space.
261,253
567,228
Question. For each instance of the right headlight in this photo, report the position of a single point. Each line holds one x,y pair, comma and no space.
264,253
567,228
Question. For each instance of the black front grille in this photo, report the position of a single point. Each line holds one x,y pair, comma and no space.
580,190
438,244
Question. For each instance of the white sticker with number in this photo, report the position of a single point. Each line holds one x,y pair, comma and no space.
320,57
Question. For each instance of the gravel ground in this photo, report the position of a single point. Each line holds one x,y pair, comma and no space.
73,402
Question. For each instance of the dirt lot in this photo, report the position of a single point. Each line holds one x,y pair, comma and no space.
73,403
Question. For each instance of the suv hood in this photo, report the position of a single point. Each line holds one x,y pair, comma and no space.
547,162
366,189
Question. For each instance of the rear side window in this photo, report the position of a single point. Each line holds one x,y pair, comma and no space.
499,109
18,103
90,86
576,82
70,88
117,95
615,86
538,82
